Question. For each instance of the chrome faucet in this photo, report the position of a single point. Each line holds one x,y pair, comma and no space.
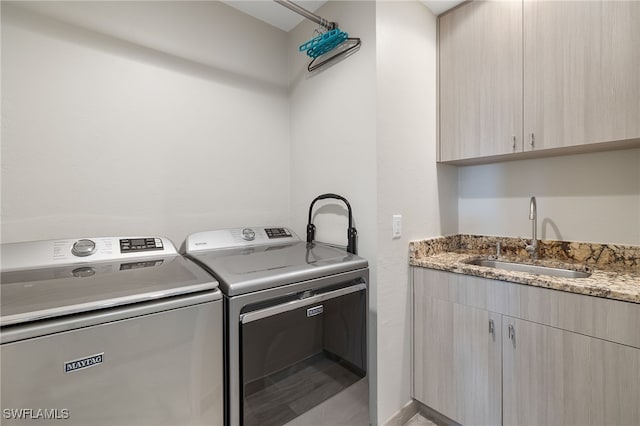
532,248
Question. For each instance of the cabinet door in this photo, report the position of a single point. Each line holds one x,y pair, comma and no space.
615,393
477,351
582,72
546,375
556,377
480,75
457,360
434,378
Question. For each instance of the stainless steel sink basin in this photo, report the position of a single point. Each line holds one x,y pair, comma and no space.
531,269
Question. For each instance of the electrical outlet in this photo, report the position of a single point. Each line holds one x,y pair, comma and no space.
396,226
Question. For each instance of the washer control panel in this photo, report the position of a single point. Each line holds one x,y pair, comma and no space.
43,254
277,233
238,238
128,245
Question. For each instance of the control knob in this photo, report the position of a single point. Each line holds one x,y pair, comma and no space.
83,248
248,234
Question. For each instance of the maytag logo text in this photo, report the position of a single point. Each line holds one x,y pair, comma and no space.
82,363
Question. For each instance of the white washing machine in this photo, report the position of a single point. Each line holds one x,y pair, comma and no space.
109,331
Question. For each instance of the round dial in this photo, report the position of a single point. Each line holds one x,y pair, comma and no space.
82,248
83,272
248,234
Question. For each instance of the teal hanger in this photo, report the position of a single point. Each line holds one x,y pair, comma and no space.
324,43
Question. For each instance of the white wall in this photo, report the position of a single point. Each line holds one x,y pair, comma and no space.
333,136
159,118
409,182
589,197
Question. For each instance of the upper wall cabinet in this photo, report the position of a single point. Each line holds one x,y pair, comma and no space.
480,61
582,72
560,77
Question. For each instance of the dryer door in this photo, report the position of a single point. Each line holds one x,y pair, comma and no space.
298,352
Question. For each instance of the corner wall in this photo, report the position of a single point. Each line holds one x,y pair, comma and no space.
333,140
409,182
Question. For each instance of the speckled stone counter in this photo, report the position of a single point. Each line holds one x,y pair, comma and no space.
615,269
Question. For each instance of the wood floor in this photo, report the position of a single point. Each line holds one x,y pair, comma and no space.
283,396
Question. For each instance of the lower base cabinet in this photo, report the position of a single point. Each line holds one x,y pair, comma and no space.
556,377
458,360
480,367
545,375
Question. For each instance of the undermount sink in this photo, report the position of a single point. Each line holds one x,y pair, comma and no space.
531,269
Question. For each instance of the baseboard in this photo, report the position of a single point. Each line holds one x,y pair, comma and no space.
402,416
434,416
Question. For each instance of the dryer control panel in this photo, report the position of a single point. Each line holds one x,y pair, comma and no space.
239,237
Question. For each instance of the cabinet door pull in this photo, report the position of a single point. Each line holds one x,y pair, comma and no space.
512,334
514,143
533,140
492,329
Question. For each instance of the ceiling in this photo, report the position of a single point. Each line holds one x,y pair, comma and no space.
274,14
440,6
281,17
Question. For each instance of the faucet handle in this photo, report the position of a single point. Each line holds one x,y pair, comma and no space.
532,249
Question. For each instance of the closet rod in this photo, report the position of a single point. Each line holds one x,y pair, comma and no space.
309,15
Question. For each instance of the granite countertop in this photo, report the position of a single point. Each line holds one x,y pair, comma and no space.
615,269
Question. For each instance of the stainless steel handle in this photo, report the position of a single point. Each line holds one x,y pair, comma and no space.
512,334
514,142
295,304
492,328
532,141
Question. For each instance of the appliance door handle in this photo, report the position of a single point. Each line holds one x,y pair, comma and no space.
295,304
